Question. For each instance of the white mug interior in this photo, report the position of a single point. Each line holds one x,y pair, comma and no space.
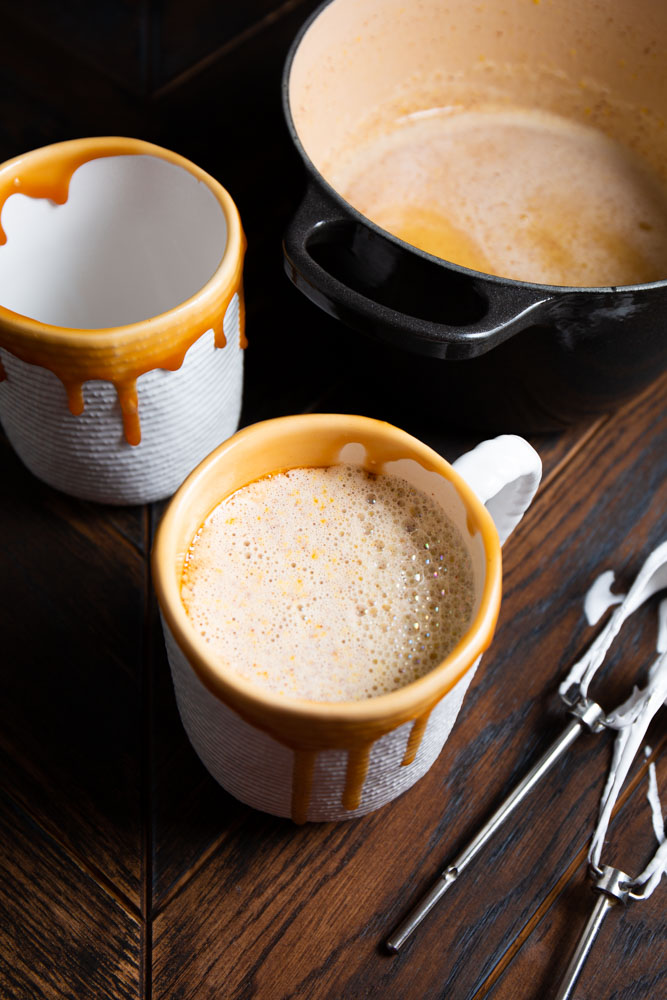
136,237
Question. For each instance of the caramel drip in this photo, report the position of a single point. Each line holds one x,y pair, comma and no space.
129,405
220,339
49,180
302,780
126,388
357,768
75,401
415,737
324,738
48,175
243,340
320,734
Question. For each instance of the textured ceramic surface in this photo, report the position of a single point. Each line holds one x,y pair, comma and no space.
184,415
258,770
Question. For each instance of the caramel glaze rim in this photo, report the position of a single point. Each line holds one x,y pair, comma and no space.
304,725
113,353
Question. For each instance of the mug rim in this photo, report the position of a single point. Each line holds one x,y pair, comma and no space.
361,219
101,339
286,712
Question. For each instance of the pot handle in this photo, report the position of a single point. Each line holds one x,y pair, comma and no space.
318,221
504,472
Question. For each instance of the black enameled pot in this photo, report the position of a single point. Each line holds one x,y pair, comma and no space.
486,350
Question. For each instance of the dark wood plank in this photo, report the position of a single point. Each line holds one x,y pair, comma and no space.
302,912
184,34
107,35
130,522
61,935
93,520
48,94
189,812
72,598
629,958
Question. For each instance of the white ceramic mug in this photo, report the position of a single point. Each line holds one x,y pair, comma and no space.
121,316
331,761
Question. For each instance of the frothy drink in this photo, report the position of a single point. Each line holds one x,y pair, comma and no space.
331,584
521,193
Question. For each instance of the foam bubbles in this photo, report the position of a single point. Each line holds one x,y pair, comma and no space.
331,584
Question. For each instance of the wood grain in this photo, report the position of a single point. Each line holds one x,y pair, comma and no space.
125,870
61,935
108,37
72,594
48,94
187,34
630,955
303,912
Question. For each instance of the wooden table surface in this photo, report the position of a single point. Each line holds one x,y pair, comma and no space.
127,872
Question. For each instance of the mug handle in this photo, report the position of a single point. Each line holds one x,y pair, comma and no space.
504,472
319,222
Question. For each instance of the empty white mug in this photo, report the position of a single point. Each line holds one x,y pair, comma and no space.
121,316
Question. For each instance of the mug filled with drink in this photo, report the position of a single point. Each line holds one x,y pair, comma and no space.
327,586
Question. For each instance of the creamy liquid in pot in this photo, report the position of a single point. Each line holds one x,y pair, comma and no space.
521,193
332,584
